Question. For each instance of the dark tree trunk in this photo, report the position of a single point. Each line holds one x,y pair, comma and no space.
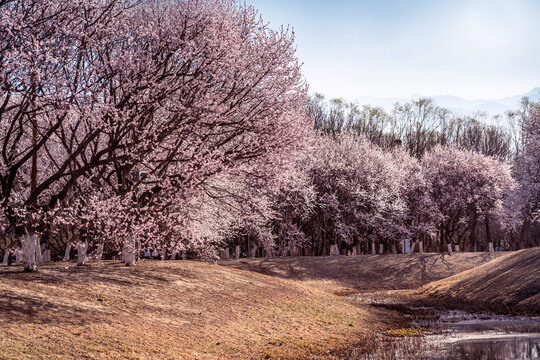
488,236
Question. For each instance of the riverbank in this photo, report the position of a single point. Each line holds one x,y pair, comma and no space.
508,284
351,274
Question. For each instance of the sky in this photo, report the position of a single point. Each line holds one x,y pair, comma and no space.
474,49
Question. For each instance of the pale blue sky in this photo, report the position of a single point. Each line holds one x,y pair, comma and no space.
468,48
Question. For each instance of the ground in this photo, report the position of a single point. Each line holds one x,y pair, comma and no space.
256,308
510,283
350,274
169,310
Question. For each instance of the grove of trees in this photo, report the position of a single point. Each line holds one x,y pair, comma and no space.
185,127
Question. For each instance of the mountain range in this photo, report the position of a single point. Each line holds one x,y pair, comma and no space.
459,105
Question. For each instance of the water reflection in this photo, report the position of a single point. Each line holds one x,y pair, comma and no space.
499,349
456,335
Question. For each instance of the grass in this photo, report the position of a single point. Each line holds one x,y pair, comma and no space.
170,310
508,284
351,274
405,332
285,308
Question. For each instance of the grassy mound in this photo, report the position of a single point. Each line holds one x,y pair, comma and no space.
510,283
166,310
349,274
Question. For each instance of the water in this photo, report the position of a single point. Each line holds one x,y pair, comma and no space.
512,346
464,335
451,334
483,339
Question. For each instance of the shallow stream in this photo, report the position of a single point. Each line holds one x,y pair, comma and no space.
462,335
453,334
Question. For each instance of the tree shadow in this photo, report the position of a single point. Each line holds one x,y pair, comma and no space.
107,273
365,272
27,309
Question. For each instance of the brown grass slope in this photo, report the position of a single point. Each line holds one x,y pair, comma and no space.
169,310
348,274
510,283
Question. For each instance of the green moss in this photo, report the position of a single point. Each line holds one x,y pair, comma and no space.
405,332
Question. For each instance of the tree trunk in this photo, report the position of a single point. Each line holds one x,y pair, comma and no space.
46,256
381,248
6,257
457,248
82,248
468,244
488,236
29,252
99,251
137,250
420,247
237,252
253,252
358,249
163,254
450,248
521,244
19,256
443,246
393,248
373,251
129,251
39,254
66,253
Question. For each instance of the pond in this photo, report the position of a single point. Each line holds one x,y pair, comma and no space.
462,335
452,334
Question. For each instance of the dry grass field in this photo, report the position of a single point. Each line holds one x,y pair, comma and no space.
349,274
510,283
249,308
170,310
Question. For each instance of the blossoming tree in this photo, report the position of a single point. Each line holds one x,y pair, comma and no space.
99,90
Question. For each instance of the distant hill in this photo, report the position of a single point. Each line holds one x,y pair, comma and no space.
458,105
